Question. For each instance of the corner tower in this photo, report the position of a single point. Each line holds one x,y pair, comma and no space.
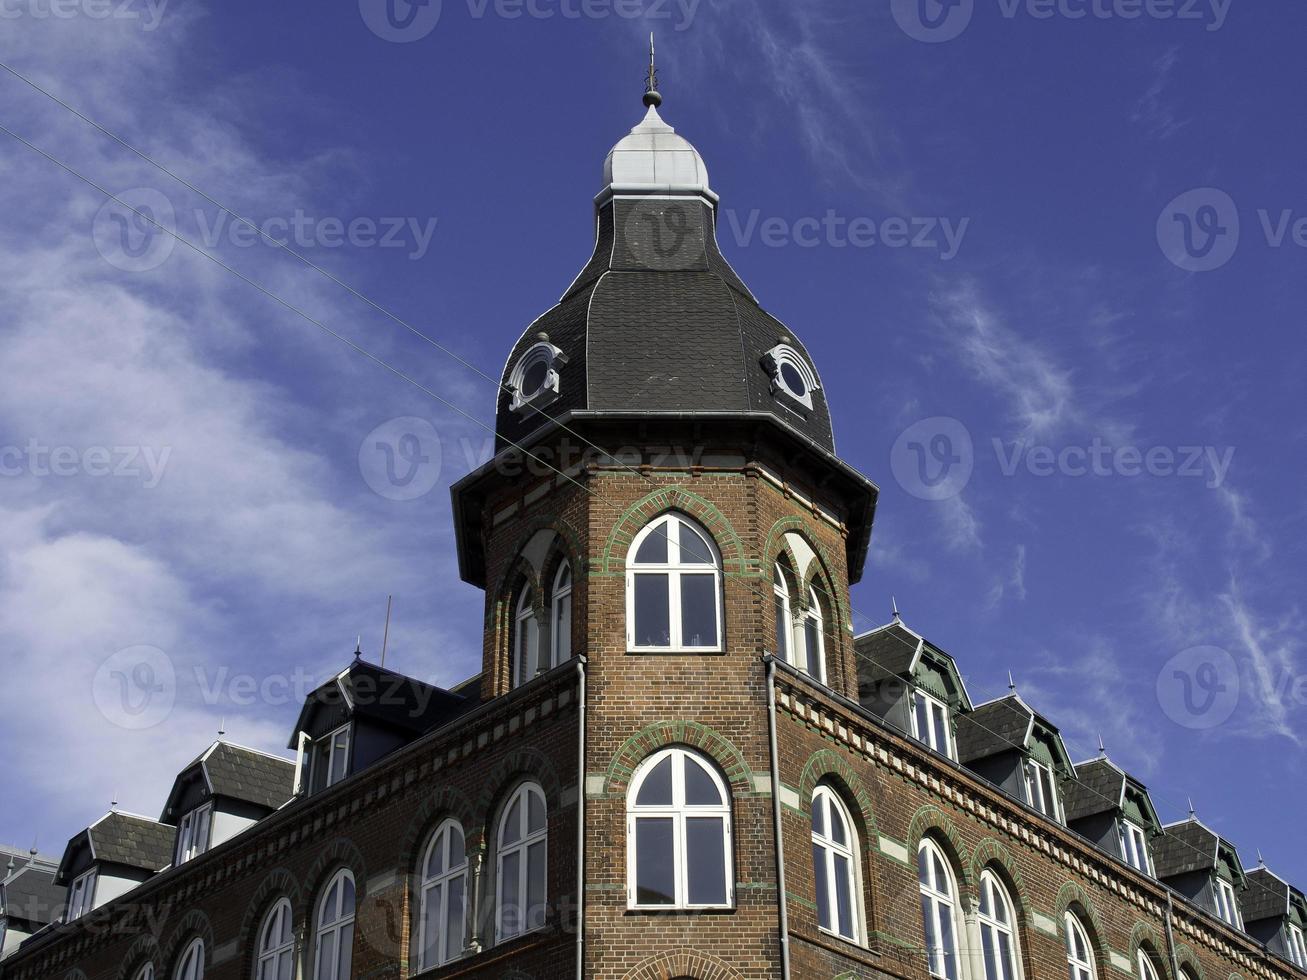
664,509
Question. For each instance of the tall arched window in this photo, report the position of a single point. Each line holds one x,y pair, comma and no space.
1079,954
998,942
277,944
673,588
334,935
526,639
781,594
939,911
835,866
561,609
191,964
678,833
442,903
522,848
814,640
1146,969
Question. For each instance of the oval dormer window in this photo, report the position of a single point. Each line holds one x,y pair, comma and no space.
792,378
534,381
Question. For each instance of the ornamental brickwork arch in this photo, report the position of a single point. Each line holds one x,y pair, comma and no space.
1188,960
1145,937
991,854
824,764
144,950
934,822
674,498
679,964
276,884
691,734
571,544
193,925
340,853
431,812
777,546
1071,898
517,767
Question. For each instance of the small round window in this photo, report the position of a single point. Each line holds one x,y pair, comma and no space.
534,380
792,377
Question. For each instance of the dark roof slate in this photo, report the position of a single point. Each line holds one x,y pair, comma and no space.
1266,897
998,726
243,774
1097,788
884,653
31,894
1184,847
127,839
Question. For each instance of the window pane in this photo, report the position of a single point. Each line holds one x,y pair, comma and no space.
563,629
823,886
694,550
656,790
812,641
285,965
837,831
327,956
933,956
653,614
819,815
346,953
328,913
941,727
948,942
990,953
782,630
454,918
513,823
700,790
1005,956
510,900
436,861
535,886
706,859
843,896
699,610
535,812
920,718
653,550
431,926
655,863
346,896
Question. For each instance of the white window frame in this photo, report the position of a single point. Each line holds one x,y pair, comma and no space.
521,846
191,964
447,948
1144,965
81,894
811,623
674,570
561,647
1227,904
541,353
1080,969
1035,790
932,705
328,758
273,950
990,923
938,897
782,355
784,617
1297,946
678,811
337,927
826,849
194,833
526,629
1134,846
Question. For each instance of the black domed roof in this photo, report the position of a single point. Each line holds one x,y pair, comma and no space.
658,323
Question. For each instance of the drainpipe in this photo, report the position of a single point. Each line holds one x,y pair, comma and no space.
1170,937
580,820
776,818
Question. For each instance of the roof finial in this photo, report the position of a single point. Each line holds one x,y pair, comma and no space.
651,96
1261,861
1102,749
113,804
1011,684
894,604
1193,814
222,727
358,647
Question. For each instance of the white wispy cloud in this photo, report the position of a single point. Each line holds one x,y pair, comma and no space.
1154,110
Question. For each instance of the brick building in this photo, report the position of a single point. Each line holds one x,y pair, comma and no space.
678,760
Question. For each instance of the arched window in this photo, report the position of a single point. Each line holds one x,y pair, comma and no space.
442,903
522,847
146,972
939,911
561,609
781,593
998,943
678,833
191,964
277,944
1079,955
673,588
526,639
814,640
835,866
334,936
1146,969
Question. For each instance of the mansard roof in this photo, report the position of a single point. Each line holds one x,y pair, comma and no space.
121,838
1189,845
238,773
31,895
1101,786
1005,724
897,651
1268,896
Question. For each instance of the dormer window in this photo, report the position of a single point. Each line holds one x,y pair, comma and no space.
930,723
331,758
81,896
534,381
1134,847
1227,906
792,377
1041,792
193,833
1297,947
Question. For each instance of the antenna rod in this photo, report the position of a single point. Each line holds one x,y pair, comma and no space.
385,636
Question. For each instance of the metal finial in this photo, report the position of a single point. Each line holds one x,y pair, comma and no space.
113,804
1261,861
222,726
1011,684
1192,812
1102,749
894,605
358,647
652,98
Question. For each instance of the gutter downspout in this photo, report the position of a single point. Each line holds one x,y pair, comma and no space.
776,818
1170,936
580,820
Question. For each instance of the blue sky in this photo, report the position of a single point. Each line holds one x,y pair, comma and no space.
182,455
